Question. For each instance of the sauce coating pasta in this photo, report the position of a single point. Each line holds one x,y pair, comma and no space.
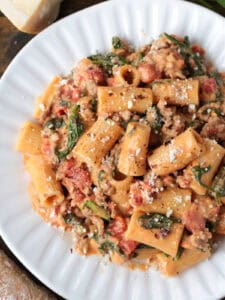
127,154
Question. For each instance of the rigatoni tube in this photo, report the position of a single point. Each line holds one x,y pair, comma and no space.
176,92
97,141
116,99
133,155
179,153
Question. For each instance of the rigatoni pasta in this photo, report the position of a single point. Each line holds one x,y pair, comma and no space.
97,141
209,159
177,154
29,140
118,99
48,189
177,92
132,159
127,154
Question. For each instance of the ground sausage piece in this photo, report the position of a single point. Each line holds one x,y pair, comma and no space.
68,91
198,49
128,246
117,226
214,129
148,73
193,219
209,86
78,175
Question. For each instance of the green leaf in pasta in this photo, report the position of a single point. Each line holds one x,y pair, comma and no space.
108,61
187,53
157,220
117,43
199,172
97,210
75,130
55,123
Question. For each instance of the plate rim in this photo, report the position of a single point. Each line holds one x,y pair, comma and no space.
12,247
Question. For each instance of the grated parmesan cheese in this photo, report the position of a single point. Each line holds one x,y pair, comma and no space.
169,212
129,104
178,199
42,107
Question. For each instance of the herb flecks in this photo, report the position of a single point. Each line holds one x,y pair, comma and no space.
157,221
75,130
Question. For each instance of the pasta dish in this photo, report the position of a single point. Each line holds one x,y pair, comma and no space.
127,154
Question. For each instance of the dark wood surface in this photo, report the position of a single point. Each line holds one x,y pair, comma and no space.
12,40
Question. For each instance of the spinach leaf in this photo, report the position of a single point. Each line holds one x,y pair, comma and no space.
179,253
157,124
219,81
107,61
196,123
215,109
71,219
54,123
199,172
187,53
101,176
97,210
75,130
156,220
65,103
144,246
117,43
94,105
107,246
219,183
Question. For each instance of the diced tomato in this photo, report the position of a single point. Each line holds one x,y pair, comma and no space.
193,219
80,176
209,86
128,246
117,226
198,49
148,73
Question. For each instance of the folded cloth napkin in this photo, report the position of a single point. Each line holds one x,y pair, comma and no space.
15,284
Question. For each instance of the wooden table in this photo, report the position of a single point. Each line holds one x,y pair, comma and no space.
12,40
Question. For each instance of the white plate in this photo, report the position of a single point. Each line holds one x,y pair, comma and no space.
43,250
